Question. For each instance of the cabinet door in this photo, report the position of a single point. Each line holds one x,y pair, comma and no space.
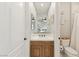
42,49
48,50
36,51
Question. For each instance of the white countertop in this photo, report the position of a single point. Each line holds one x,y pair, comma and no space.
40,38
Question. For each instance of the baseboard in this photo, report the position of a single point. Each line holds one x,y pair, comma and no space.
3,55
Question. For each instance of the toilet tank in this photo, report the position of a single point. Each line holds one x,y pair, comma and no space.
65,42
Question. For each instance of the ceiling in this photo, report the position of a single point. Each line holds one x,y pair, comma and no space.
42,8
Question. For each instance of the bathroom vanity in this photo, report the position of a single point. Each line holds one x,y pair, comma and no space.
42,48
42,45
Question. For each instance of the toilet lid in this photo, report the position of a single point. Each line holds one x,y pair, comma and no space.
70,50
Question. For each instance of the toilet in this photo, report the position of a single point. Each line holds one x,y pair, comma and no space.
70,52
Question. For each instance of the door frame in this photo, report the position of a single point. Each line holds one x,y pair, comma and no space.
27,29
57,31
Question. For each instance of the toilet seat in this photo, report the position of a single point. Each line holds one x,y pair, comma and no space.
71,51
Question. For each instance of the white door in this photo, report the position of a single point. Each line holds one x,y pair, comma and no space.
20,29
4,29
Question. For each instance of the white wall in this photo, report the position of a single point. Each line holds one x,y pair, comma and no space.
32,9
51,16
74,25
64,10
74,10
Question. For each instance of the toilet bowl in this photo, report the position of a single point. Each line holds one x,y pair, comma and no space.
70,52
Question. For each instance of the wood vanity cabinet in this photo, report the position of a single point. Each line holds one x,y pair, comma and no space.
42,48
